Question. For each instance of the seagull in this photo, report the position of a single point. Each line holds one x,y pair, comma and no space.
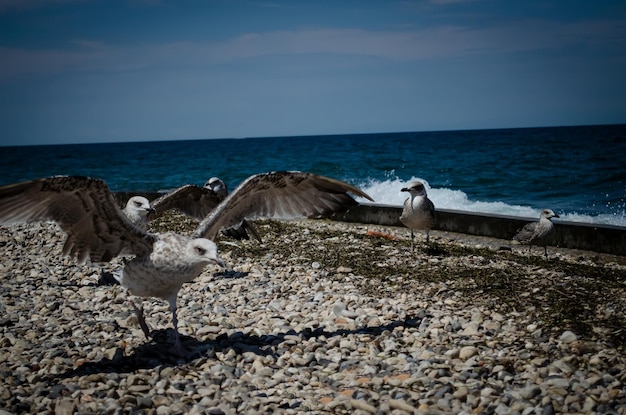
538,233
98,230
137,209
218,186
196,202
418,211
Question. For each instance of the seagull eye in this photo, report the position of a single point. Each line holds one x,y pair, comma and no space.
200,251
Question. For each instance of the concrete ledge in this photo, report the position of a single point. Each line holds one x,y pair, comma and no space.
573,235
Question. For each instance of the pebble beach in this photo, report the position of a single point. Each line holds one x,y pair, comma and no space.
321,317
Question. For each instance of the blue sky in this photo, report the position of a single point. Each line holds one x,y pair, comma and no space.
96,71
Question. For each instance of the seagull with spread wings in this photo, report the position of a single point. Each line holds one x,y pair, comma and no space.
197,202
98,230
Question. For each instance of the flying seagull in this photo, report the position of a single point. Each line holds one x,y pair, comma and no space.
137,209
98,230
197,202
418,211
538,233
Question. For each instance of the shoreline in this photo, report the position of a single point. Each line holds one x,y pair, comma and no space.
322,316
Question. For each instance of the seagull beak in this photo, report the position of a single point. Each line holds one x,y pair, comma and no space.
218,261
404,189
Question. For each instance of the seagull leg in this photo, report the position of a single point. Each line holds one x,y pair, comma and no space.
412,238
178,348
141,319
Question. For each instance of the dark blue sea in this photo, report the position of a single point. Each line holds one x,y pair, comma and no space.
579,172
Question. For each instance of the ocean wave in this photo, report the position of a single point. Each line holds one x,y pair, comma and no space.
388,192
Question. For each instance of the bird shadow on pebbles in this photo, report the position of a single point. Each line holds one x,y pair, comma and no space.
145,356
156,352
435,249
106,278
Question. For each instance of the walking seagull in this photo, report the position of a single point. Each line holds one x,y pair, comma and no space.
418,211
197,202
98,230
538,233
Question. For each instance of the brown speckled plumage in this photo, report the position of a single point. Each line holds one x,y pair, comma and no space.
194,201
540,233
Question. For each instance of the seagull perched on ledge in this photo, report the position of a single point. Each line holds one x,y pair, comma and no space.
418,211
98,230
538,233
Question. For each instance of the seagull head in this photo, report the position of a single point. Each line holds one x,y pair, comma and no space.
217,185
548,214
204,251
140,205
415,188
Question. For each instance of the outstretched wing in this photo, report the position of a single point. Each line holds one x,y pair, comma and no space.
430,207
281,195
192,200
242,231
85,209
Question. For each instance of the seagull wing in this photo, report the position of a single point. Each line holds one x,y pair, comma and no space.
242,231
85,209
527,233
192,200
281,195
431,207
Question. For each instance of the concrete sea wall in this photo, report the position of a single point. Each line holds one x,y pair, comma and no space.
573,235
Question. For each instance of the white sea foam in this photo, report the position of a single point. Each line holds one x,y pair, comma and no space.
387,192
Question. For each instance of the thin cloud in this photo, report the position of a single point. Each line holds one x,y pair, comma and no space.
21,5
23,62
399,46
446,2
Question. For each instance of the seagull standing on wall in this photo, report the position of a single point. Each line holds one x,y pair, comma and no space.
418,211
98,230
540,233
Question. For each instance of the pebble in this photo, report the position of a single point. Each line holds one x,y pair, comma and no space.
568,337
467,351
289,332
